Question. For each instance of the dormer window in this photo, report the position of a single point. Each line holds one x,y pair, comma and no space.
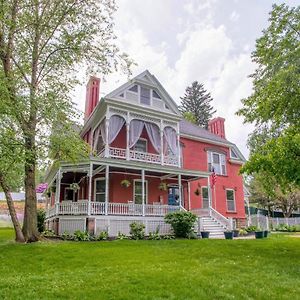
155,95
233,154
145,96
133,89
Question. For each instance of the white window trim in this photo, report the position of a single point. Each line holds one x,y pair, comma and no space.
234,202
233,151
142,139
139,95
65,194
205,187
211,153
95,185
146,192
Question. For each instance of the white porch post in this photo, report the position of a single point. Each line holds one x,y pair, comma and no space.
90,188
180,190
161,130
127,141
106,137
189,195
178,143
106,189
57,198
209,193
143,191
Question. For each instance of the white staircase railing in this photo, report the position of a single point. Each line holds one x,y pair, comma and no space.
227,223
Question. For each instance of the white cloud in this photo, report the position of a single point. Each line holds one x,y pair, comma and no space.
234,16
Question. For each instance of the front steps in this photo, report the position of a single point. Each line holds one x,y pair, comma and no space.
216,230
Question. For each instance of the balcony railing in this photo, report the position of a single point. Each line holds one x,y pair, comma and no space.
121,209
120,153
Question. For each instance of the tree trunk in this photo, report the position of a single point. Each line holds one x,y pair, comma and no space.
30,229
18,232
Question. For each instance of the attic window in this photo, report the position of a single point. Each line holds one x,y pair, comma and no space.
233,154
121,95
134,89
155,95
145,96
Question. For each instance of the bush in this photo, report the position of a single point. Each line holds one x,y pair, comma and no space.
122,236
102,236
81,236
41,216
182,222
287,228
137,231
66,236
48,233
251,228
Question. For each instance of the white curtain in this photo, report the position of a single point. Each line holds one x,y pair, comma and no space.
171,139
115,125
135,131
154,135
96,138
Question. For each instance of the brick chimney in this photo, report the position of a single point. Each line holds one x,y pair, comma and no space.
92,96
216,126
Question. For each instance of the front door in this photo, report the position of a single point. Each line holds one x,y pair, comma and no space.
173,195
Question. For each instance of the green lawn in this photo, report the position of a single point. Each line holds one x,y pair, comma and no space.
169,269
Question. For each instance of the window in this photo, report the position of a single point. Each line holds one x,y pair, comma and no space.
141,145
216,161
205,197
167,107
230,200
134,89
155,95
99,194
121,95
233,154
69,194
145,96
138,191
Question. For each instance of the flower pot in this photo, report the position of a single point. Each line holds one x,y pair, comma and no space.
205,234
259,234
266,233
236,233
228,235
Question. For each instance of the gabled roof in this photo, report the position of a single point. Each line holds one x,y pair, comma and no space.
146,78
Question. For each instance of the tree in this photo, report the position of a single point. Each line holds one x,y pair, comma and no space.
274,105
43,45
195,104
11,170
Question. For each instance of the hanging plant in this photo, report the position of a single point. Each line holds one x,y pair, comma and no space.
163,186
125,183
197,192
48,193
74,186
53,189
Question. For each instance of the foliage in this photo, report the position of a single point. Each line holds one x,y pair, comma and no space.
103,236
74,186
192,269
287,228
125,183
137,230
243,232
154,235
274,105
48,233
67,236
251,228
195,105
81,236
163,186
41,216
43,45
192,235
122,236
182,222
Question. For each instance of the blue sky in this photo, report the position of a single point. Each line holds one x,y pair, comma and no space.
180,41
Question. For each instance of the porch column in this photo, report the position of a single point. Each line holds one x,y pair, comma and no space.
189,194
127,141
209,193
178,143
180,190
57,198
106,137
90,188
161,130
106,189
143,191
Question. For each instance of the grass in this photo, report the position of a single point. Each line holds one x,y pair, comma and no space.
168,269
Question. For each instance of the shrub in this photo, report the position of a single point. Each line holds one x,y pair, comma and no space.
122,236
48,233
242,232
81,236
168,237
66,236
287,228
102,236
41,216
182,222
251,228
137,230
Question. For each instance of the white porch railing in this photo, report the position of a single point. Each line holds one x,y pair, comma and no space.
145,157
117,152
121,209
171,160
225,222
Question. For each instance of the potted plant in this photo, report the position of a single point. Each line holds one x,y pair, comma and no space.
266,232
228,234
236,232
204,234
74,186
163,186
125,183
259,234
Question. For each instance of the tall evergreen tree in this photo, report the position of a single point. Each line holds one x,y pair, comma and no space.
197,102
